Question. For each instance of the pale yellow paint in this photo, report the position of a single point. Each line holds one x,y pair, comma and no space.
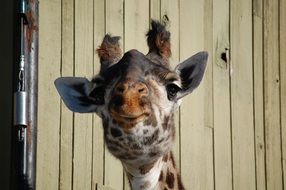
195,138
82,155
221,143
258,92
101,187
155,9
221,96
242,95
66,130
136,24
48,99
283,83
208,97
272,96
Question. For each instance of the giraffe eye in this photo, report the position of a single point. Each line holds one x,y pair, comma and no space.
172,90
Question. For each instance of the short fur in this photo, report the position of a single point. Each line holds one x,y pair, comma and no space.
158,40
109,51
136,96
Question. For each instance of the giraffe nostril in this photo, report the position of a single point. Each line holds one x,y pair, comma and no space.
142,90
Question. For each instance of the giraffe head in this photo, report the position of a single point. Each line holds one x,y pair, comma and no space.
135,95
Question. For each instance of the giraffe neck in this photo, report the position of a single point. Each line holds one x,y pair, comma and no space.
144,177
160,174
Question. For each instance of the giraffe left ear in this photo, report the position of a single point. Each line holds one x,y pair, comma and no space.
191,72
75,92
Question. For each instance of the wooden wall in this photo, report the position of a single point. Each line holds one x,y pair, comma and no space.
231,132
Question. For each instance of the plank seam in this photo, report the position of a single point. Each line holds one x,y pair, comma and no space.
254,100
93,118
263,73
213,100
280,100
61,73
263,86
73,115
230,93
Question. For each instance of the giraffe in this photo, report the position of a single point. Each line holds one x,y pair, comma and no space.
135,95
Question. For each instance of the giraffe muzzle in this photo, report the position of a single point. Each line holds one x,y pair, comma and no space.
130,103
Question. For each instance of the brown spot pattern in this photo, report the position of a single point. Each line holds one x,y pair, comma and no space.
147,167
151,120
173,160
165,158
151,139
170,179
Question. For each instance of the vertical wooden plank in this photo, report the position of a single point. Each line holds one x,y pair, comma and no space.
208,96
170,10
283,82
194,132
242,95
82,156
114,17
49,111
101,187
272,95
258,93
221,96
98,139
155,9
136,24
66,130
114,25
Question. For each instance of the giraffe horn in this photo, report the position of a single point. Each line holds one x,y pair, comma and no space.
158,39
109,51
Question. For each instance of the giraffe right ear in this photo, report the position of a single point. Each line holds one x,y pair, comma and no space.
75,93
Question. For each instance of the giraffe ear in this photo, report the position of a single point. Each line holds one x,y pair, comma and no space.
191,72
75,93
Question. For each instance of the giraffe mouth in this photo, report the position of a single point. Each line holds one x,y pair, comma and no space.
129,118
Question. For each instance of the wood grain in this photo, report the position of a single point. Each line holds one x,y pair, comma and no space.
195,158
82,155
66,130
221,96
48,139
258,93
242,95
272,95
282,47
